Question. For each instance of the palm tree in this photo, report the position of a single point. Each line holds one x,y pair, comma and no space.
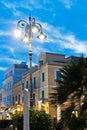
71,88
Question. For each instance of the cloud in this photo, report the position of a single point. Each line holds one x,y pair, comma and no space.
57,35
10,60
5,33
30,5
38,49
7,4
8,50
67,3
70,42
11,5
3,68
15,5
11,49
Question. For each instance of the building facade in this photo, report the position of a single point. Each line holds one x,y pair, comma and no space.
43,80
44,77
12,75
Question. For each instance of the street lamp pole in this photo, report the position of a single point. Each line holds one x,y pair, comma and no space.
30,57
26,31
31,89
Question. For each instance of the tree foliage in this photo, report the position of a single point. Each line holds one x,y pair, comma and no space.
39,120
72,88
5,123
17,120
73,80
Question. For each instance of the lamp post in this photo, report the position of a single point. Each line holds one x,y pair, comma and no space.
26,30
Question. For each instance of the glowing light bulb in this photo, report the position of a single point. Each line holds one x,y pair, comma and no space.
17,33
35,29
25,39
42,36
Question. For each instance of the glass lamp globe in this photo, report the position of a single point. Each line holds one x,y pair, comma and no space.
17,33
42,36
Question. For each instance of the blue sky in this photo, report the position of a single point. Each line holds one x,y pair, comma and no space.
63,21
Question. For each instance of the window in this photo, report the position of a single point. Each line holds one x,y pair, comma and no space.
4,99
10,85
22,99
22,86
19,99
27,84
43,95
16,98
58,75
41,62
43,76
8,98
33,98
34,82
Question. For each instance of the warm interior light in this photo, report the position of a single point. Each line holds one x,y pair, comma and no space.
17,33
41,36
25,39
35,29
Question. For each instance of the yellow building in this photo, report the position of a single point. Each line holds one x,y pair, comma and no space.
43,80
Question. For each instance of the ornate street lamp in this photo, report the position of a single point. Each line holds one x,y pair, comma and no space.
26,31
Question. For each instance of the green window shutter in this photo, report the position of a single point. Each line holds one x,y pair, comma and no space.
19,99
43,95
27,84
34,82
22,86
43,76
58,75
34,98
